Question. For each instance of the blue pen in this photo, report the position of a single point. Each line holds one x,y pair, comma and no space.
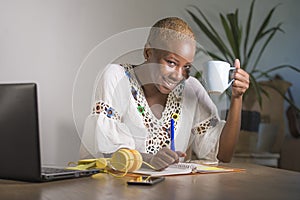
172,135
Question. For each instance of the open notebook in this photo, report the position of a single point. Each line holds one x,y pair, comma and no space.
184,168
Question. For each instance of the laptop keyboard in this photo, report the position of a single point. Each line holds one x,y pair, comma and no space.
50,170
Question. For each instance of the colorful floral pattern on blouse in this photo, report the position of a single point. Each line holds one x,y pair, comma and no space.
101,107
205,125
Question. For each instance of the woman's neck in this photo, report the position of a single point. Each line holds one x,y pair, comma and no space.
155,99
152,93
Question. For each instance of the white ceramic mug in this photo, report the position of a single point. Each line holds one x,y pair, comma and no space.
216,76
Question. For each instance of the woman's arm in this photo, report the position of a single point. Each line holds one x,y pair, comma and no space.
230,132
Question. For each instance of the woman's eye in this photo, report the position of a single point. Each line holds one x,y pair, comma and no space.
171,63
187,66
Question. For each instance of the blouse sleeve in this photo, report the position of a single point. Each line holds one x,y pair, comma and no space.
207,126
104,124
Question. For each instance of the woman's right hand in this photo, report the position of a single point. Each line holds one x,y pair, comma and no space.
165,157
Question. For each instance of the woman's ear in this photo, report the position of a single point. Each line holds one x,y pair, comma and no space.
147,51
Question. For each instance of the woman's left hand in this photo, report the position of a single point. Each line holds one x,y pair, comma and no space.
241,82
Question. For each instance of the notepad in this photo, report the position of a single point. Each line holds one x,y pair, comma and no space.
171,170
183,168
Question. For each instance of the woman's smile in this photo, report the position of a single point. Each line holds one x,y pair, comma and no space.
170,84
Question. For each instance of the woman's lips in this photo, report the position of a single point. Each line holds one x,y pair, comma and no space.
169,83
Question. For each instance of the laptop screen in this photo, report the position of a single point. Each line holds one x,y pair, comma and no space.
19,132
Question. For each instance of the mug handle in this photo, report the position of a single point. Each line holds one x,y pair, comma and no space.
231,81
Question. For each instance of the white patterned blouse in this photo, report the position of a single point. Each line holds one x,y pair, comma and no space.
121,117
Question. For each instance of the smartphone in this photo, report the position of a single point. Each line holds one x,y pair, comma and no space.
145,180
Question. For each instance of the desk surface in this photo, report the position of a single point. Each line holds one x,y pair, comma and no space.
257,182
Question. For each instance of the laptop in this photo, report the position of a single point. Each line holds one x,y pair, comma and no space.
19,137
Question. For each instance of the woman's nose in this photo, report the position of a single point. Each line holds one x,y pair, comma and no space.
177,74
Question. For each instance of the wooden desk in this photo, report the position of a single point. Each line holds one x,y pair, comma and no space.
257,182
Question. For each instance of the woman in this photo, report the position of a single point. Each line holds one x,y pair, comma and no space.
134,104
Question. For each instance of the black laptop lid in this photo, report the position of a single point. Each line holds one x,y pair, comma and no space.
19,132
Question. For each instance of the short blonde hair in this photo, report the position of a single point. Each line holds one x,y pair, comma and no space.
170,28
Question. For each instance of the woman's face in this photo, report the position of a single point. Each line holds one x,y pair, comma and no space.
168,69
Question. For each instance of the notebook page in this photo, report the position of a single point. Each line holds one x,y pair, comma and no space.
183,168
171,170
202,168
